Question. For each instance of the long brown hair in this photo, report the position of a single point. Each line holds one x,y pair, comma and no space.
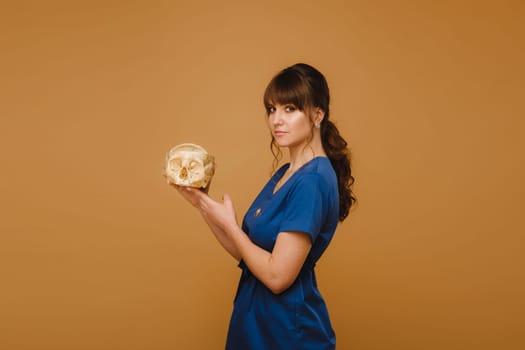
306,88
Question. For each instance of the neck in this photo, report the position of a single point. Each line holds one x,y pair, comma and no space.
303,153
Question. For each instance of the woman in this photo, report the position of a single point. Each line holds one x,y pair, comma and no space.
290,223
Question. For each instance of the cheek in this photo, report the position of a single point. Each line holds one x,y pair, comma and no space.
302,125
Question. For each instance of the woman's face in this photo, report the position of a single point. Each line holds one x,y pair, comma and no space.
290,127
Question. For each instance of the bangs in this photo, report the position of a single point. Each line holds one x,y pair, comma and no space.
288,88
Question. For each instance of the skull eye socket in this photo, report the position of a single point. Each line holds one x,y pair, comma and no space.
176,163
193,163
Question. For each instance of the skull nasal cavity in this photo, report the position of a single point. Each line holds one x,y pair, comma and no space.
183,173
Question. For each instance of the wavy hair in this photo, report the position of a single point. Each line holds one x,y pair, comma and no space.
306,88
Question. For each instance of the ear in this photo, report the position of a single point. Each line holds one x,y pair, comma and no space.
319,115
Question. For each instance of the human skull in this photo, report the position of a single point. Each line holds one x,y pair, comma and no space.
190,165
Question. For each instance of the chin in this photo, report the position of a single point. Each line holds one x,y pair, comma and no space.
282,144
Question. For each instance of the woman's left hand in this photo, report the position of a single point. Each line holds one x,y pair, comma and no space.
221,214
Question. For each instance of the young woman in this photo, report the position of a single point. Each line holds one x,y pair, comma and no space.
290,223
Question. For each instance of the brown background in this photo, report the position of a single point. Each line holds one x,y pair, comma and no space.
97,252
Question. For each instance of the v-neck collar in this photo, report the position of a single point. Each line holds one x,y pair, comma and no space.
283,171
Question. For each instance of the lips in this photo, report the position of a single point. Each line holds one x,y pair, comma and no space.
279,133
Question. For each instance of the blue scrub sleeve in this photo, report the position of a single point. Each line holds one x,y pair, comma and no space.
306,206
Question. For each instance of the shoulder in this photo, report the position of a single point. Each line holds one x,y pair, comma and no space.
320,169
317,174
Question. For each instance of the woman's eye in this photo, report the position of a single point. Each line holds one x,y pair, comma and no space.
290,108
270,109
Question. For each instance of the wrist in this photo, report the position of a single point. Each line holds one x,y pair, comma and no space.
231,228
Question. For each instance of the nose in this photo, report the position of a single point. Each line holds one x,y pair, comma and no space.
183,173
276,117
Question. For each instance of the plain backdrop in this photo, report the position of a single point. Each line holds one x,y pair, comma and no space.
97,252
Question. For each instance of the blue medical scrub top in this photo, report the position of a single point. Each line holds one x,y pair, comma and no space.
297,318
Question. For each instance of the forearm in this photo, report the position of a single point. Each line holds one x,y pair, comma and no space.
278,269
223,239
259,261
